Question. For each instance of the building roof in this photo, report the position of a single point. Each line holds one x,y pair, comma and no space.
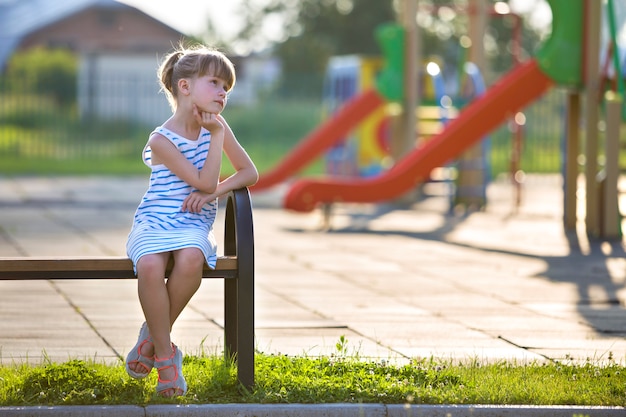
19,18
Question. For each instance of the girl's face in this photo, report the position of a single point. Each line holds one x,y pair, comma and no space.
209,93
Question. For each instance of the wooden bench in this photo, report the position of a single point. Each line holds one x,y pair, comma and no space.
236,267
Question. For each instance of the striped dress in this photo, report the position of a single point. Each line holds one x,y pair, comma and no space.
159,224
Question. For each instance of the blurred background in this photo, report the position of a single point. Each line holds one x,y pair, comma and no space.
79,94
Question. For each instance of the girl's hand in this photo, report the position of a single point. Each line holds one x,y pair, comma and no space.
196,200
209,121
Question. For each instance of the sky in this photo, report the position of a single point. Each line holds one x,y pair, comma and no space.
536,11
191,16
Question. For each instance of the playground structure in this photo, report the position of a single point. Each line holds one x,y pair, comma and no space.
365,151
362,152
562,61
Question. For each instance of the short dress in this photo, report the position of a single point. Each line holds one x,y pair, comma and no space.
159,224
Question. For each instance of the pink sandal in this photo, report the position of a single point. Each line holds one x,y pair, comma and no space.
135,357
178,384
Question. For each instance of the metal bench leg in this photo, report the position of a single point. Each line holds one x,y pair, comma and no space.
245,326
239,293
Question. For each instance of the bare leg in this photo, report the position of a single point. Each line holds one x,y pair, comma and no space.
163,302
173,296
155,300
184,280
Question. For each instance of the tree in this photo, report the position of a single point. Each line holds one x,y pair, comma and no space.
444,23
311,31
315,30
45,71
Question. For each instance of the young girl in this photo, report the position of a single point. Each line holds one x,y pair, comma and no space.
175,217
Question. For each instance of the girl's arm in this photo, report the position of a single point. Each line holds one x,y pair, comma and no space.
206,179
245,172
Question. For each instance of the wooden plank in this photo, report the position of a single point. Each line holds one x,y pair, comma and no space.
16,268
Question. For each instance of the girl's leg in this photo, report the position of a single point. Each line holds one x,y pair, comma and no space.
154,300
184,279
183,282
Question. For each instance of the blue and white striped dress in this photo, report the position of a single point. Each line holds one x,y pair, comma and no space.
160,225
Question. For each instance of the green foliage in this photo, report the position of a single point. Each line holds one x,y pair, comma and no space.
38,137
317,30
333,379
71,383
347,27
43,71
328,379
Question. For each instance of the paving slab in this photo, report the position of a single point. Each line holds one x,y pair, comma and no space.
397,281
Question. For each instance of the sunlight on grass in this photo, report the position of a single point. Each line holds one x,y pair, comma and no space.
338,378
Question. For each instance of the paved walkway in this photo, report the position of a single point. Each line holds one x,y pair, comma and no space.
397,282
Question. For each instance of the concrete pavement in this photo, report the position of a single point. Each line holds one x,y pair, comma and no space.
397,282
313,410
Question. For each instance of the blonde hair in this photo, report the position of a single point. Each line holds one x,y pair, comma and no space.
193,62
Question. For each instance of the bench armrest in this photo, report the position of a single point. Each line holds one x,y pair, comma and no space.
238,227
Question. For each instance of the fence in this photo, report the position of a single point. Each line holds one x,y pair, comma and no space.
36,133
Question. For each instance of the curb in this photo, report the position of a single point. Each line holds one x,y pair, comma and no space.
312,410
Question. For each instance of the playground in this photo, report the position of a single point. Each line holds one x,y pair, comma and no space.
560,63
395,256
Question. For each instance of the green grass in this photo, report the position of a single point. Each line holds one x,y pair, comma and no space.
334,379
96,166
37,140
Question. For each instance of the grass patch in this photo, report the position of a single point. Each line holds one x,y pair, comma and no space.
45,166
42,140
283,379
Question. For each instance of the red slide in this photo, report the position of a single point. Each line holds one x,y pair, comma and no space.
510,94
322,138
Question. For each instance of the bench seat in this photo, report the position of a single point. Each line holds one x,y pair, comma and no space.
82,267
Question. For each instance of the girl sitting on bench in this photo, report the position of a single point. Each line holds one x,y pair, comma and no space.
176,214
